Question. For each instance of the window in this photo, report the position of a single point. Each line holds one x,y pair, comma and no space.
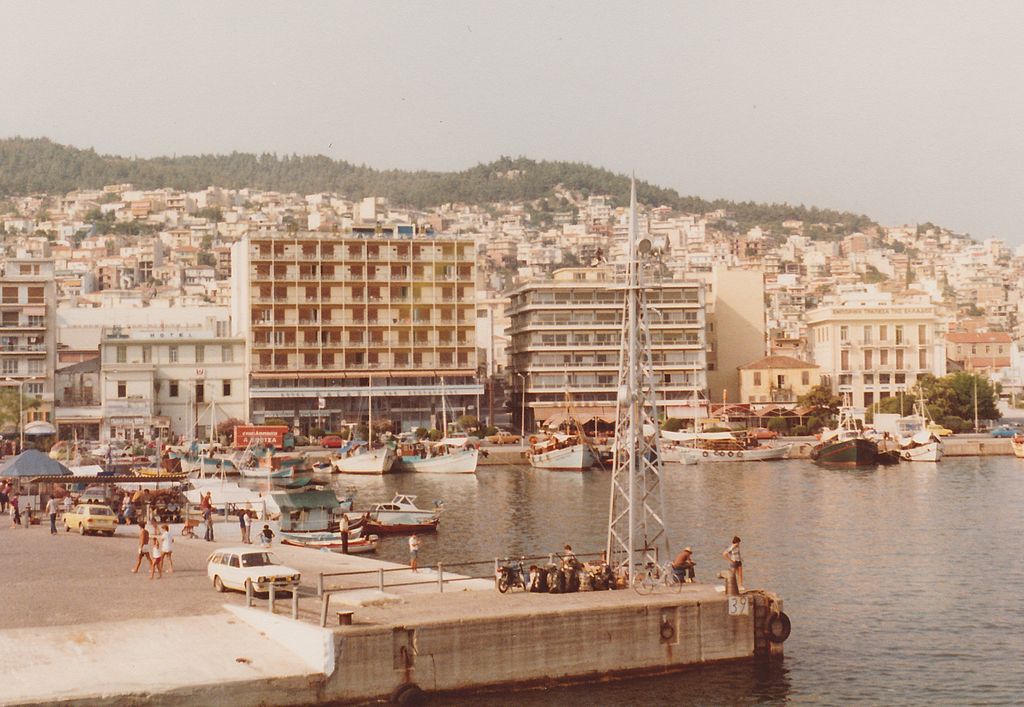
883,357
869,399
869,379
225,389
922,359
227,354
172,389
922,334
172,354
901,378
844,333
899,358
845,379
147,354
883,332
844,360
33,389
757,377
10,367
868,363
867,334
36,367
899,334
200,392
122,353
200,353
122,389
884,378
805,378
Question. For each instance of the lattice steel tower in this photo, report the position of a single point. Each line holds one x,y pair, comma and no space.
636,527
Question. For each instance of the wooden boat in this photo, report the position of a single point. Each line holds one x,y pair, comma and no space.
449,456
845,446
331,541
706,447
561,453
361,460
917,442
400,516
260,472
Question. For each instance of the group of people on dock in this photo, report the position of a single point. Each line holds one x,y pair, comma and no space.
156,545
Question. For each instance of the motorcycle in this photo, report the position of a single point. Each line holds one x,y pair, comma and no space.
511,575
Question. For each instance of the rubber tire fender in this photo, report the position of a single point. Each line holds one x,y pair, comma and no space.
408,693
704,454
739,455
778,627
729,453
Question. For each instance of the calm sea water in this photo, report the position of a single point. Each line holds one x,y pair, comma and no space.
904,584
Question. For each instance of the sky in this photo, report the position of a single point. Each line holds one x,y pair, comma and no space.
905,111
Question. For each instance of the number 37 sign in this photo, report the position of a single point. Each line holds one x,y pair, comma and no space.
739,606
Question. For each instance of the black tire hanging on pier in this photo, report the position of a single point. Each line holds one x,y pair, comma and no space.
408,693
778,628
704,454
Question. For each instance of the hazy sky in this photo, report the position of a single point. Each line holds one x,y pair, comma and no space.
906,111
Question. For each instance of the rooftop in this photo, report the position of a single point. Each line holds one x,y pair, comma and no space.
771,362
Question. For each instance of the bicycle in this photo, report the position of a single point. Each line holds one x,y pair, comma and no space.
651,575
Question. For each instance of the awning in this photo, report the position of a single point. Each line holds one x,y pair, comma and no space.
40,427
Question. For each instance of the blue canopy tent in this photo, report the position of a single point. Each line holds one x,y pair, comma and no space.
32,463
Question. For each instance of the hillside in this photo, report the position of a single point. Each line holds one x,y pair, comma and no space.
40,165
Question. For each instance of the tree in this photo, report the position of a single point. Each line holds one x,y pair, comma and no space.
227,428
954,396
9,407
778,424
822,397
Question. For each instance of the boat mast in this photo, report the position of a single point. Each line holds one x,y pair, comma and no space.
369,405
444,412
636,528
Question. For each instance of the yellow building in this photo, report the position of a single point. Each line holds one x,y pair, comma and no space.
777,379
334,321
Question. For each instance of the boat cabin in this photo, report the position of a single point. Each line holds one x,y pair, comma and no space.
308,510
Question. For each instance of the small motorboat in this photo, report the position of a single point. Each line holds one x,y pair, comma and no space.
401,516
328,541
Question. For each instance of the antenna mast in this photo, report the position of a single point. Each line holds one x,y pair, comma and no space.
636,526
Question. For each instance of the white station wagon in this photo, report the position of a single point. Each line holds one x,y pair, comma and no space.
232,567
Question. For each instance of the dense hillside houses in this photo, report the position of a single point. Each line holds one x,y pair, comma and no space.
308,308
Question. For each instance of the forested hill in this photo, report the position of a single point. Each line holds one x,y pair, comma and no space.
40,165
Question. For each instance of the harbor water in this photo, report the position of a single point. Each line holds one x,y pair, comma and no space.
903,583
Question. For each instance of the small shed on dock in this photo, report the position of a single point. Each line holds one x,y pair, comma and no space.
307,510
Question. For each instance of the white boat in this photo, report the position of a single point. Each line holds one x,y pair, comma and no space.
261,472
703,447
330,541
366,461
680,455
557,455
452,455
755,454
224,493
917,442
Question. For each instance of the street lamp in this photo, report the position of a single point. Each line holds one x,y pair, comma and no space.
522,407
21,403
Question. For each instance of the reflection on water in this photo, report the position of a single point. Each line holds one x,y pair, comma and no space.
903,583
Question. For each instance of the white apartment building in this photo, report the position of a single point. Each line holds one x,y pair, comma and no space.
565,339
171,381
870,346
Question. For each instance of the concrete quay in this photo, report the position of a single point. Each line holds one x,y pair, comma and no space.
83,630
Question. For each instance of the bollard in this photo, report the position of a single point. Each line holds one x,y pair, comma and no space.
248,593
295,601
325,602
732,588
320,584
380,579
497,571
440,577
273,595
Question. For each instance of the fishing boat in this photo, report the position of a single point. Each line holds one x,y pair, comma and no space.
358,458
400,516
308,520
705,447
917,442
262,472
452,455
845,446
561,452
1017,442
332,542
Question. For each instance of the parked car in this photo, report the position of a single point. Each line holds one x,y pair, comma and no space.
232,567
89,518
1004,431
762,433
503,437
938,430
332,442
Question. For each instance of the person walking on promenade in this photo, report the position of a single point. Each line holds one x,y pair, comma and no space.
67,503
414,549
15,513
156,558
732,554
344,534
248,526
5,497
241,524
167,549
683,565
51,510
143,549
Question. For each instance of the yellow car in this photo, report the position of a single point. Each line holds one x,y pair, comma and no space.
938,430
89,518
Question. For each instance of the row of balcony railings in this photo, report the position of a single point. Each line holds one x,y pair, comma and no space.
349,321
601,318
362,341
609,298
368,254
342,275
23,300
349,298
424,365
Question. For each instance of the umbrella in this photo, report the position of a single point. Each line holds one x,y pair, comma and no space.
32,463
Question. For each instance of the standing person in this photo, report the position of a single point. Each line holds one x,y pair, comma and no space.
248,527
414,548
15,513
732,554
157,557
5,497
241,524
208,518
67,503
167,548
344,534
51,510
143,549
683,566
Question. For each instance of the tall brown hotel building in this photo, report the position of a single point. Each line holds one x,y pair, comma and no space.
335,322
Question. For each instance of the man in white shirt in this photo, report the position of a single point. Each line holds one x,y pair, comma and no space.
51,510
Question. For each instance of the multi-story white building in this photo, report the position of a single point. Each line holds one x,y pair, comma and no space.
870,346
28,300
565,338
171,381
